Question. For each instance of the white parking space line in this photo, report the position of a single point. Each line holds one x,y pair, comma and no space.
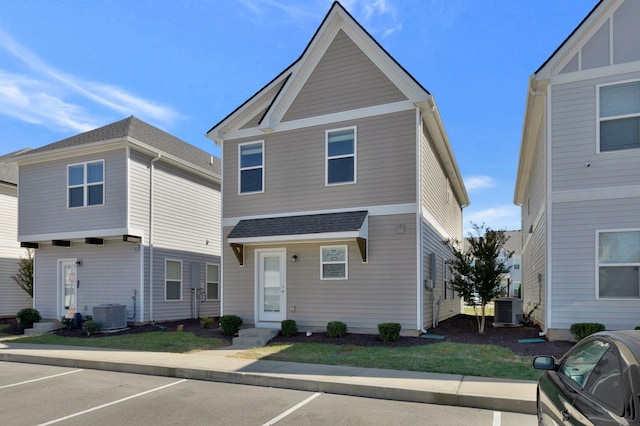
111,403
497,418
41,378
292,409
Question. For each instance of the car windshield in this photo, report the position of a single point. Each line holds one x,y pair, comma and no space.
582,360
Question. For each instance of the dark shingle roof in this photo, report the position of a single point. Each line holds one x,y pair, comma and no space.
143,132
8,169
297,225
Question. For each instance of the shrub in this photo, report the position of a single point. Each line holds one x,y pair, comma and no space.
288,328
28,317
91,327
637,327
583,329
389,331
206,322
230,324
67,322
336,329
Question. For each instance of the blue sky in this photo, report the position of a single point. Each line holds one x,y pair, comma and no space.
70,66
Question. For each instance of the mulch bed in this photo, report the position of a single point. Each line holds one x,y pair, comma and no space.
459,329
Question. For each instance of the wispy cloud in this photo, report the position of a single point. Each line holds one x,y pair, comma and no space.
57,99
505,217
473,183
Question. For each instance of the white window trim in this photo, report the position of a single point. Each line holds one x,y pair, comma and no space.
354,155
346,262
217,281
240,169
597,263
617,117
165,280
85,185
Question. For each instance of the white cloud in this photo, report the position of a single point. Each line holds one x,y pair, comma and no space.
473,183
505,217
53,98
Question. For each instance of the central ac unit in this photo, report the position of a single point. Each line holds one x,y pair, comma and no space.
110,316
506,311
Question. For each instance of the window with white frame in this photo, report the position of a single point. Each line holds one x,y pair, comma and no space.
333,261
173,280
516,263
341,156
85,184
619,119
619,264
213,281
251,167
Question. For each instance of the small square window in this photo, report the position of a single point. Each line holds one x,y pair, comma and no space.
85,184
619,120
334,262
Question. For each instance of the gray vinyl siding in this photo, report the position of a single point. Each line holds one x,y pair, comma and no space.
295,169
574,135
574,263
444,208
382,290
43,197
139,192
450,303
343,80
108,275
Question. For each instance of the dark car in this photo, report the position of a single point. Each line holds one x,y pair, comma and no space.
596,382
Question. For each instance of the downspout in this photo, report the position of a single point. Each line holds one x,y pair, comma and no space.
151,169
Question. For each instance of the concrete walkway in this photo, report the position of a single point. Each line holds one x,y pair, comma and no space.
223,365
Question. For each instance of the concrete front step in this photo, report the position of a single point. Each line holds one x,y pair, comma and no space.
40,328
253,337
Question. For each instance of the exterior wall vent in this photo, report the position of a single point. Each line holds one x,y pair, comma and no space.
110,316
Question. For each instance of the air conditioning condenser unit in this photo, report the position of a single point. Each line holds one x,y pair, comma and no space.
111,316
507,311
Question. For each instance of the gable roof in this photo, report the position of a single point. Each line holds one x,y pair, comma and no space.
137,133
8,169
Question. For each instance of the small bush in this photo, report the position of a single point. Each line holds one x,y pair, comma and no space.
288,328
206,322
230,324
88,317
67,322
91,327
28,317
583,329
336,329
389,331
637,327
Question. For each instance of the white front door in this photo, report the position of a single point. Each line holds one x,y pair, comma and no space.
271,285
68,284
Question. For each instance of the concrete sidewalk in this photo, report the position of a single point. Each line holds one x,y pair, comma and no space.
223,365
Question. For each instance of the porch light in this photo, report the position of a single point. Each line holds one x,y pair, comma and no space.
294,258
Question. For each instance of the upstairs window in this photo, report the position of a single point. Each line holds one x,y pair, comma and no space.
85,183
619,116
341,156
251,166
619,264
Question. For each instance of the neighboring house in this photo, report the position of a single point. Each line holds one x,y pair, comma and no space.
12,297
578,179
124,215
339,186
513,279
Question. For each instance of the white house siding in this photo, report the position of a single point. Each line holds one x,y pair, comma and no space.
108,275
12,297
295,169
381,290
574,268
45,184
186,220
344,79
139,192
534,235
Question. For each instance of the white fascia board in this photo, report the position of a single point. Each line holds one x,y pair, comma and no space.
72,151
324,236
74,235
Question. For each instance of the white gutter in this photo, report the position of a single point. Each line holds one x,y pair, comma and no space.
151,169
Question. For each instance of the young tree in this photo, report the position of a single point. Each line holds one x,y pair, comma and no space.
24,277
478,269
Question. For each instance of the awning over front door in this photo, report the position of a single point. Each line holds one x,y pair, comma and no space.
327,227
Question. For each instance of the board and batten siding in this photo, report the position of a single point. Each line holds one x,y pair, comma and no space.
108,275
43,196
344,79
437,197
574,136
574,263
381,290
295,169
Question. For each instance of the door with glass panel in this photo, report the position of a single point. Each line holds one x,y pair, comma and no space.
271,283
68,285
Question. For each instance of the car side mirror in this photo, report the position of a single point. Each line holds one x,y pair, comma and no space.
544,363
